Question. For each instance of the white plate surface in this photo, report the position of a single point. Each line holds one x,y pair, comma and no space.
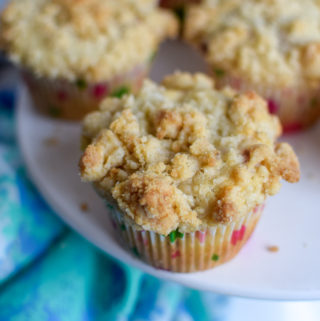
291,219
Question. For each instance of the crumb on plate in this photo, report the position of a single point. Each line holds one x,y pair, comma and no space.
51,141
84,207
273,248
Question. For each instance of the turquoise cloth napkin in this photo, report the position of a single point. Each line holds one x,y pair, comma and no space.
48,272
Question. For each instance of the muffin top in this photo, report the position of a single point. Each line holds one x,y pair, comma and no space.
185,155
272,42
90,39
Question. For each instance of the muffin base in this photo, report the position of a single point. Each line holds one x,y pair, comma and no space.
63,99
188,252
297,107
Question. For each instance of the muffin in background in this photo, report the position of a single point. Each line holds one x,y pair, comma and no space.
185,169
272,47
75,53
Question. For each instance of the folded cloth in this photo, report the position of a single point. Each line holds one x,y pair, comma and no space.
27,225
48,272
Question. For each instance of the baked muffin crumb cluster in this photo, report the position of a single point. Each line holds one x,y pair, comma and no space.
184,155
268,41
90,39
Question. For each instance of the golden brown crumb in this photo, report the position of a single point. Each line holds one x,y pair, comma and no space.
168,124
273,248
183,156
154,202
288,164
84,207
51,141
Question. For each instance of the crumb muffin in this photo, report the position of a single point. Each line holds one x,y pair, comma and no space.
270,46
185,169
74,53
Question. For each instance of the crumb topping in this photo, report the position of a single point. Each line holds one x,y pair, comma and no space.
273,248
51,141
84,207
185,155
267,41
87,39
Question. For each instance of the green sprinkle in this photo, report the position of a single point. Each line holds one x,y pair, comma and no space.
180,13
179,235
110,207
121,91
81,84
219,72
313,102
174,235
135,251
54,111
123,227
152,56
215,257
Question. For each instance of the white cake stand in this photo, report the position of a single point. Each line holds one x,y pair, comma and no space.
291,220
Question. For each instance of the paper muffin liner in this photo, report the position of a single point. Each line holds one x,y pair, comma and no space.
64,99
186,252
297,107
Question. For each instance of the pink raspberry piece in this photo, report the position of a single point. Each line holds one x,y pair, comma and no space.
273,106
175,254
258,208
242,231
100,90
201,236
238,235
62,95
292,128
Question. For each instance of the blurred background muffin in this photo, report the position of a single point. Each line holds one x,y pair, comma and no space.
272,47
185,169
74,53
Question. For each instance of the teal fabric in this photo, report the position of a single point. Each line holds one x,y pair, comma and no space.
48,272
26,223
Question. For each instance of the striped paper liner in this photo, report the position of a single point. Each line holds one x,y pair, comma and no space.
187,252
72,100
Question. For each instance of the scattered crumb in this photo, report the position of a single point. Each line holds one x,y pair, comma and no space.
50,141
273,248
84,207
